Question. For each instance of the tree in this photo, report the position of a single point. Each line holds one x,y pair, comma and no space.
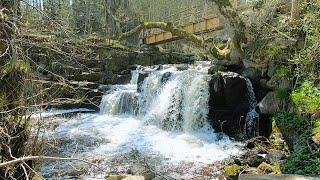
13,71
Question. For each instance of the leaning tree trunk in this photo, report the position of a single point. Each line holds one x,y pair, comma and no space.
237,29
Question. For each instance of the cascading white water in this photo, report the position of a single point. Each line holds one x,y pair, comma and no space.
166,121
179,103
252,118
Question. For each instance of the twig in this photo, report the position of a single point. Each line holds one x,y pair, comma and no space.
37,174
25,172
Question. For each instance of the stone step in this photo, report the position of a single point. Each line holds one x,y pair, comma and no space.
276,177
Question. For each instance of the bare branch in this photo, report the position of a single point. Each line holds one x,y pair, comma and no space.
43,158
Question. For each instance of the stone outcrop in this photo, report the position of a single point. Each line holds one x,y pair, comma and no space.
105,65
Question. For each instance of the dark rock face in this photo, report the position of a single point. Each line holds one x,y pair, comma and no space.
141,77
228,104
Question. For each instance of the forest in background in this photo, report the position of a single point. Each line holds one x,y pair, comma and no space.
292,47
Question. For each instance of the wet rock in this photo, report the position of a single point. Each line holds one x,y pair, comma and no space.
182,67
165,77
270,104
257,64
275,156
131,177
255,160
142,170
228,103
120,79
141,77
253,74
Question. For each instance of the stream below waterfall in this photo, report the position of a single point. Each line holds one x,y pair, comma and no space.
159,119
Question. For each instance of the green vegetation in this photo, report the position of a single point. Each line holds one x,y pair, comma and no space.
290,122
307,98
303,161
273,51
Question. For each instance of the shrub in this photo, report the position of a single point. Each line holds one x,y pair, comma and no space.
307,98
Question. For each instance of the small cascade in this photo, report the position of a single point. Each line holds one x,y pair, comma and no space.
252,118
171,99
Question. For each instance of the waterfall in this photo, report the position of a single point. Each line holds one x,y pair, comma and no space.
252,118
171,99
161,114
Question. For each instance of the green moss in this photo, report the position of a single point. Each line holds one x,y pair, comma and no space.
273,51
16,66
282,72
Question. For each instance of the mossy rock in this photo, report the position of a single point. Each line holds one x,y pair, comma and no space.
265,168
232,171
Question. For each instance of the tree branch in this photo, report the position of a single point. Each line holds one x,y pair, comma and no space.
42,158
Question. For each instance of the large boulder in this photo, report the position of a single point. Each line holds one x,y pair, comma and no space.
270,104
228,104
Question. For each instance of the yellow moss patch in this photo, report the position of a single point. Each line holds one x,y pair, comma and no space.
316,138
276,170
265,168
233,170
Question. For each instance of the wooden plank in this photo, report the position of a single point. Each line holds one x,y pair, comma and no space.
206,25
212,23
188,28
159,37
151,39
167,35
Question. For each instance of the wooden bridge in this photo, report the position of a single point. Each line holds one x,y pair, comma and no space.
202,26
205,26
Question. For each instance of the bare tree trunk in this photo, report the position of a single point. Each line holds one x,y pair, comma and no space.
295,10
